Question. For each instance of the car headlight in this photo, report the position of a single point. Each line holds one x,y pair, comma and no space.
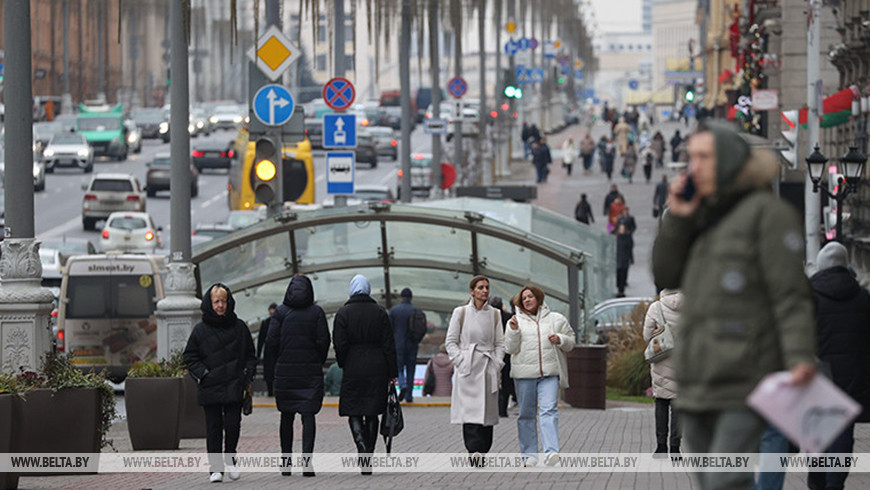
83,152
200,124
49,152
35,171
237,119
213,119
132,138
164,127
191,128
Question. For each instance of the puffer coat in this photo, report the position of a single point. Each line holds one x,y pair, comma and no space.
664,379
532,353
299,336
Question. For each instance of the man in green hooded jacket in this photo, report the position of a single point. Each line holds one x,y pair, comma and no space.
736,250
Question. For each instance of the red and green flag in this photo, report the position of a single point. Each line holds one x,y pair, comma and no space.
837,109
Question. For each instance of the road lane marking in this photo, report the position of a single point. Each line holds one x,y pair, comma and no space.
213,199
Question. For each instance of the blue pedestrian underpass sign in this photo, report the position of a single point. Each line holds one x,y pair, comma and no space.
339,131
273,105
340,167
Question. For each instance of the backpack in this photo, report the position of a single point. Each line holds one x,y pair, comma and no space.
417,326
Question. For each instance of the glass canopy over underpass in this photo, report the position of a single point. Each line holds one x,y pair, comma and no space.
434,249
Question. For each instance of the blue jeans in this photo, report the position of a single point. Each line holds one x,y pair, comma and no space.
407,361
772,442
538,396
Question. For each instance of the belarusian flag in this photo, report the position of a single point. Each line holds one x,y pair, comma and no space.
837,108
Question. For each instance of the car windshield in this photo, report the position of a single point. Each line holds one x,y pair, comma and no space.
45,130
161,162
421,161
148,117
112,185
99,123
67,139
230,110
128,223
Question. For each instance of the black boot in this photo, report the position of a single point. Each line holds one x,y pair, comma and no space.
358,431
675,452
661,451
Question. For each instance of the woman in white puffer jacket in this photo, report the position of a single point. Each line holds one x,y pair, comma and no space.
537,341
664,384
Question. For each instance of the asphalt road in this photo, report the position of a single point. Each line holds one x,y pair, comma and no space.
58,208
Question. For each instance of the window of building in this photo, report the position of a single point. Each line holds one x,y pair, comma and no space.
321,62
321,33
348,62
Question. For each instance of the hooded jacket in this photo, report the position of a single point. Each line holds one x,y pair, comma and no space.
365,350
220,353
843,330
664,378
748,307
532,353
299,336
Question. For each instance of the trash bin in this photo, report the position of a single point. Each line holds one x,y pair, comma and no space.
587,377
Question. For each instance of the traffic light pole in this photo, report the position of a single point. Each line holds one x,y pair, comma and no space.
435,68
812,202
405,83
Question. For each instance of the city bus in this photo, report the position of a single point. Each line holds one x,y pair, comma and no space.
106,314
298,174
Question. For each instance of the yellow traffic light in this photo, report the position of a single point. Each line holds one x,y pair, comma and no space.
265,170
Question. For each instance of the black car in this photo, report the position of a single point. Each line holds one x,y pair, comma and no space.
216,153
152,123
366,151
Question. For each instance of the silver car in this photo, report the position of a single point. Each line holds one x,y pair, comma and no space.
108,193
385,141
68,150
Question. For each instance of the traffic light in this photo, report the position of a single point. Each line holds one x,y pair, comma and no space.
690,93
264,172
789,133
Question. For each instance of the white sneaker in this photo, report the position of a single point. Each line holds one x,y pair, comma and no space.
552,459
511,404
530,463
233,472
216,477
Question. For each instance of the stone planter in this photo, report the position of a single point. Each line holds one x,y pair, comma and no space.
154,412
66,421
587,376
192,414
8,481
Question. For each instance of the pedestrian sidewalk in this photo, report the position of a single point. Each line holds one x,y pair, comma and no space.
622,428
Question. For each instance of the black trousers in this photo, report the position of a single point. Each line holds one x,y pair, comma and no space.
663,409
506,390
309,430
621,279
477,437
223,423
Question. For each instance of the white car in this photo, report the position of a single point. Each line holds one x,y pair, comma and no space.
68,150
129,231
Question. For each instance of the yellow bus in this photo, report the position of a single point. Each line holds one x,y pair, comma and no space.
298,174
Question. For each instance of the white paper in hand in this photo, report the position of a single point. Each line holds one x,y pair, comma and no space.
810,415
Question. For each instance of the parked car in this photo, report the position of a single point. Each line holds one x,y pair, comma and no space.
53,254
68,150
215,230
128,231
152,122
38,170
134,136
385,141
610,314
366,151
242,218
214,153
227,117
108,193
421,175
160,173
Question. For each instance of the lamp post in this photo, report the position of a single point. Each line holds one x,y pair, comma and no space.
852,166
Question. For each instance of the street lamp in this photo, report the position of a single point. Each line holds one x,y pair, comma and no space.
852,167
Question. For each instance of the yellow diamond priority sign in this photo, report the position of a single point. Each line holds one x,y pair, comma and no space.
274,53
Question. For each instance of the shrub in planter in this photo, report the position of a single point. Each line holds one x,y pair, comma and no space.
626,367
154,403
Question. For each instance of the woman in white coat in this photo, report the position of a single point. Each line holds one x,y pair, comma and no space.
475,344
664,385
537,341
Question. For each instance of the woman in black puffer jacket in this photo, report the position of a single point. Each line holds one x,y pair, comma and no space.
299,337
220,355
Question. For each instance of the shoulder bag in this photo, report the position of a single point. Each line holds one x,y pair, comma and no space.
662,342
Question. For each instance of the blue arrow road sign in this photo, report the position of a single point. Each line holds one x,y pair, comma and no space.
340,168
511,47
273,105
339,131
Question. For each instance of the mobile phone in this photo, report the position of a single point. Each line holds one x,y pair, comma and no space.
688,189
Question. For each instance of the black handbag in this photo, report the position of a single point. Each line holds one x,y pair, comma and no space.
392,421
429,384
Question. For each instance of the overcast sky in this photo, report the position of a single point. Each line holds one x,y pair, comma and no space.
618,15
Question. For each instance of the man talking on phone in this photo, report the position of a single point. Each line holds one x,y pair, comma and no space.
736,250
